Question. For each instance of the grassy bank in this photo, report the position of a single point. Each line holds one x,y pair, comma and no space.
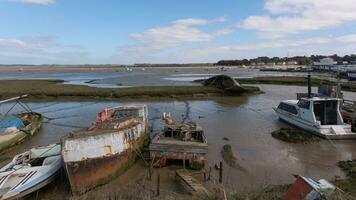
294,135
283,80
291,80
47,89
294,80
348,185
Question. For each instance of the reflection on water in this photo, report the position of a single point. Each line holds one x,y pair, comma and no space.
247,122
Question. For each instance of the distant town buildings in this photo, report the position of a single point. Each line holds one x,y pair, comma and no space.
329,64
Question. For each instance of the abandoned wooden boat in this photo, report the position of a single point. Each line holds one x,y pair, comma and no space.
177,141
92,157
30,171
305,188
14,128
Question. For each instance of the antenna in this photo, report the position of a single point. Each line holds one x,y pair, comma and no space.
309,86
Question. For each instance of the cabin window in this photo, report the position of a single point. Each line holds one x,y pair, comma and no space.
326,112
304,104
126,113
288,108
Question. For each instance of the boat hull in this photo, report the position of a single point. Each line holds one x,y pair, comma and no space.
87,174
17,182
32,189
321,132
18,136
351,76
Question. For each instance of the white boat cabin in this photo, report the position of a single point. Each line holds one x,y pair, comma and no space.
320,115
317,110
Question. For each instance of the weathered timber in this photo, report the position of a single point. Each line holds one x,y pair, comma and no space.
192,185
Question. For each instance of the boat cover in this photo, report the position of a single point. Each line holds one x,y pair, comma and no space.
10,121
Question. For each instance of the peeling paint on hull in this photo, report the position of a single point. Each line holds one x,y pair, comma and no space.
94,156
88,174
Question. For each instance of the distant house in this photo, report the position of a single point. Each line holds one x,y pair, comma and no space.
292,62
271,63
281,63
325,64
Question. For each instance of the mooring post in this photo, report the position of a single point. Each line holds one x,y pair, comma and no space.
150,172
353,120
204,175
158,184
220,172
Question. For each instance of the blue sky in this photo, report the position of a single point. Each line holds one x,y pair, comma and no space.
161,31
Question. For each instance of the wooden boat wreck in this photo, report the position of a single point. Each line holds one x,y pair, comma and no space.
177,141
14,128
30,171
94,156
306,188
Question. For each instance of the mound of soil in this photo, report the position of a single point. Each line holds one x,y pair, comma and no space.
230,158
294,135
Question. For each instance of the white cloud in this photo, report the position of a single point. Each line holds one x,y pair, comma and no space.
344,44
40,49
43,2
156,41
347,38
11,43
296,16
180,32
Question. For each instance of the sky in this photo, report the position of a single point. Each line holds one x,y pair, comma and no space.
172,31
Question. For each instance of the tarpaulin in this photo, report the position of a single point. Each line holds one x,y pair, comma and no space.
10,121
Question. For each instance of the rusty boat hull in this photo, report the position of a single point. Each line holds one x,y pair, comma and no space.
95,156
90,173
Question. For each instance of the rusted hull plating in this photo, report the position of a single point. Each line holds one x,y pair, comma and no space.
93,157
87,174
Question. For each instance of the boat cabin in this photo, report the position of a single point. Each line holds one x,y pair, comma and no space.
122,112
323,111
186,132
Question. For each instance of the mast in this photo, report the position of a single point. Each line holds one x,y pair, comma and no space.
13,98
309,86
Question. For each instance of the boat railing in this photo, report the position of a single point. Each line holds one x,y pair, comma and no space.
349,105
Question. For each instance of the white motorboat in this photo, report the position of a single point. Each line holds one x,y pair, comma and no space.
319,115
30,171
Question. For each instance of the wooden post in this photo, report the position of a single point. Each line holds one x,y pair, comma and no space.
184,162
150,172
209,177
353,120
220,172
158,184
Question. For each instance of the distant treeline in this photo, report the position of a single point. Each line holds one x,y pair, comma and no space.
297,60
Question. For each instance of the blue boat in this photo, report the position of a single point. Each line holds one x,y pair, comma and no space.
351,76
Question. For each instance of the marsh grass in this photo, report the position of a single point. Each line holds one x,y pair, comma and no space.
46,89
294,135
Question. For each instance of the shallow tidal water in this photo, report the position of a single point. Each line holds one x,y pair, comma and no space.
246,121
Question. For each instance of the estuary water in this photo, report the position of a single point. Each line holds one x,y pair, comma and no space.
247,122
